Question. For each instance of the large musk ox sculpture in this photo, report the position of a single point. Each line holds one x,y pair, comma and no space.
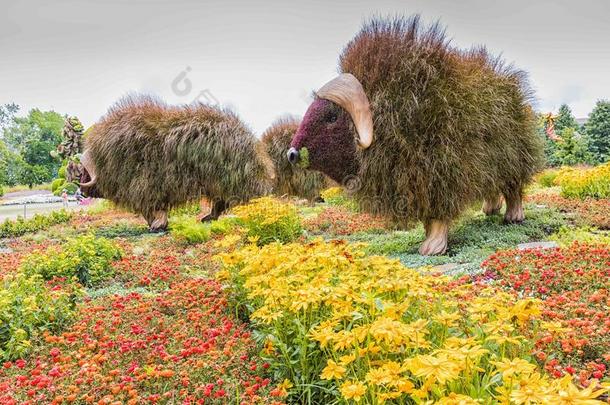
148,157
291,180
422,130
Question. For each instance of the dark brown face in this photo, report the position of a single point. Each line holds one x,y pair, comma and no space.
325,141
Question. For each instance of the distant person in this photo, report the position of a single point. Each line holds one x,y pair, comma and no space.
64,198
79,195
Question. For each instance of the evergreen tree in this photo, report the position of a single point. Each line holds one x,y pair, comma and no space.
597,130
571,149
565,119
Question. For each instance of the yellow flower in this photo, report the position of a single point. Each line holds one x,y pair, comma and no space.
332,371
530,389
440,368
457,399
569,394
554,327
347,359
447,318
515,366
268,348
284,387
353,390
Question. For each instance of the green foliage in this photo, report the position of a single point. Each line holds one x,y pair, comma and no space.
571,149
7,113
547,177
597,130
269,220
20,226
191,209
86,258
33,138
61,172
336,196
33,174
565,119
69,187
189,229
28,307
566,236
121,229
57,184
471,240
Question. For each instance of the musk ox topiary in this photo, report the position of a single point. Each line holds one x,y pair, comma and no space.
421,130
291,180
148,157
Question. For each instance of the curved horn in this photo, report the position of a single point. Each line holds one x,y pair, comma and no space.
87,163
347,91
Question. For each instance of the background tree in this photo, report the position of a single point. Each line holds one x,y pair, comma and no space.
571,149
7,112
33,138
565,119
597,130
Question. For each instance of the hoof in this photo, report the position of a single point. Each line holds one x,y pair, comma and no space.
209,218
515,216
433,246
159,222
436,238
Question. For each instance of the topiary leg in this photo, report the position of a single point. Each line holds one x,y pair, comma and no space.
159,222
514,209
436,237
492,206
218,207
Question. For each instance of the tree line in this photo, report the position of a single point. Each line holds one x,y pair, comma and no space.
588,143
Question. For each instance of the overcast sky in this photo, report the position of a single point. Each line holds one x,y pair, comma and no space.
263,58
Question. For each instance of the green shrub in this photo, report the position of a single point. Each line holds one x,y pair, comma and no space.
566,236
191,209
61,173
20,226
121,229
28,307
189,229
268,219
86,258
578,182
1,191
337,196
56,184
547,177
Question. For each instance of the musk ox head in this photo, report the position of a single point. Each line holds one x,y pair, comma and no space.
335,124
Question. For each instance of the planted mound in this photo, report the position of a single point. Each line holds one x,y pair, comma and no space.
290,180
450,126
151,157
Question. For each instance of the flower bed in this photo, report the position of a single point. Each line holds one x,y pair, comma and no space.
344,326
574,283
339,221
179,347
590,211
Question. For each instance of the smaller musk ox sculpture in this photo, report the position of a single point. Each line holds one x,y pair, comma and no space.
421,130
148,157
291,180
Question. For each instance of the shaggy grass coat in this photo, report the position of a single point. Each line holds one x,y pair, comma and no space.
151,157
291,180
451,126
